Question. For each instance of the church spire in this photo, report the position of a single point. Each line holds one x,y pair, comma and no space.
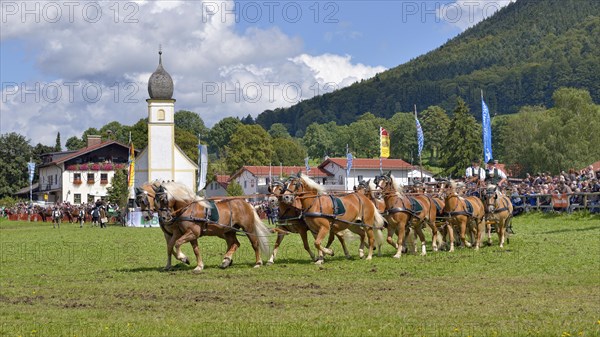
160,84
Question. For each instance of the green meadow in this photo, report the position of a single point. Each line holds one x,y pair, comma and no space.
109,282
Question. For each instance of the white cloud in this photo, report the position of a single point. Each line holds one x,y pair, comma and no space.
467,13
217,71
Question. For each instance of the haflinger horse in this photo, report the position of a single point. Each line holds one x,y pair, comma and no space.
498,211
369,189
325,214
290,221
195,217
144,198
464,213
404,211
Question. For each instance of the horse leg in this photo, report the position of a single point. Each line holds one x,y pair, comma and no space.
501,227
371,238
390,235
303,231
480,226
274,253
188,236
200,264
232,245
400,231
450,230
324,230
463,233
434,234
340,237
254,242
489,232
419,233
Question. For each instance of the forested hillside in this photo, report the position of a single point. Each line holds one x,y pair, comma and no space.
518,57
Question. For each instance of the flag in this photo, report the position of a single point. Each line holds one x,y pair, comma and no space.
131,173
420,137
202,166
487,131
31,169
348,163
384,140
306,164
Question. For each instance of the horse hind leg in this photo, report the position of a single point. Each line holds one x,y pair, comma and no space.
232,245
324,230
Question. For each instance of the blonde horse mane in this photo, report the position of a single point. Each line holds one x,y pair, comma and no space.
397,187
311,184
181,193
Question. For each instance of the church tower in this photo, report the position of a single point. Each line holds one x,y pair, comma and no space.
162,159
161,125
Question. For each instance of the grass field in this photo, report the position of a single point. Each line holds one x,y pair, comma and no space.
109,282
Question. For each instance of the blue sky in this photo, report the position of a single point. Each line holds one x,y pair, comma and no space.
70,68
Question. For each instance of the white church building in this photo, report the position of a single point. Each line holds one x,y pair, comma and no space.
162,159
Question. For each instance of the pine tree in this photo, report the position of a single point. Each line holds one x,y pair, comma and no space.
463,142
57,147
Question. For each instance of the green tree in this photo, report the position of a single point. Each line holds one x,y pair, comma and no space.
363,136
191,122
14,155
249,145
234,189
115,131
463,142
74,143
434,122
221,133
318,139
288,152
188,143
279,130
117,192
403,137
57,147
139,133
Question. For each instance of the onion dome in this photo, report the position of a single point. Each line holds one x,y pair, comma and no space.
160,84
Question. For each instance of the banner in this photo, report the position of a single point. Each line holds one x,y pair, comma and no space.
31,170
131,173
348,163
384,140
487,131
202,166
306,164
420,137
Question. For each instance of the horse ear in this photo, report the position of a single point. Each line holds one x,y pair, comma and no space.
138,190
156,188
299,174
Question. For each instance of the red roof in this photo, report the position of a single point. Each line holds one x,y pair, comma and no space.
596,165
223,180
85,150
263,171
367,163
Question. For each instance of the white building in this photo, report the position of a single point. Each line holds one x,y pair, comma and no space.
331,173
81,176
162,159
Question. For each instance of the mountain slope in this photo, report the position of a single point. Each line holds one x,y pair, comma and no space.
518,57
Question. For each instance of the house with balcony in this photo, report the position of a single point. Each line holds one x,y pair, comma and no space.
81,176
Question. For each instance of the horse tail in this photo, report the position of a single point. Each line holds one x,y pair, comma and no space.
378,232
262,234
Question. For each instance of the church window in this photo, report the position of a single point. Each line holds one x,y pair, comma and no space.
161,115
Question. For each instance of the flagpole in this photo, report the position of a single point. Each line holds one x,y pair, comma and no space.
380,158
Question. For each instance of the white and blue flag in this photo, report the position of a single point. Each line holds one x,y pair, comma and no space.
420,137
487,132
306,164
348,163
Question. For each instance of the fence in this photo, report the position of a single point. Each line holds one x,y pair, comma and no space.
569,202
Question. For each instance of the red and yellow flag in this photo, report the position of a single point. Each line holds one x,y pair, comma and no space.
384,141
131,173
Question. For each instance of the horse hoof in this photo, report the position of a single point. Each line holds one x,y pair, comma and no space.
319,262
226,263
270,263
186,261
397,256
257,265
197,270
